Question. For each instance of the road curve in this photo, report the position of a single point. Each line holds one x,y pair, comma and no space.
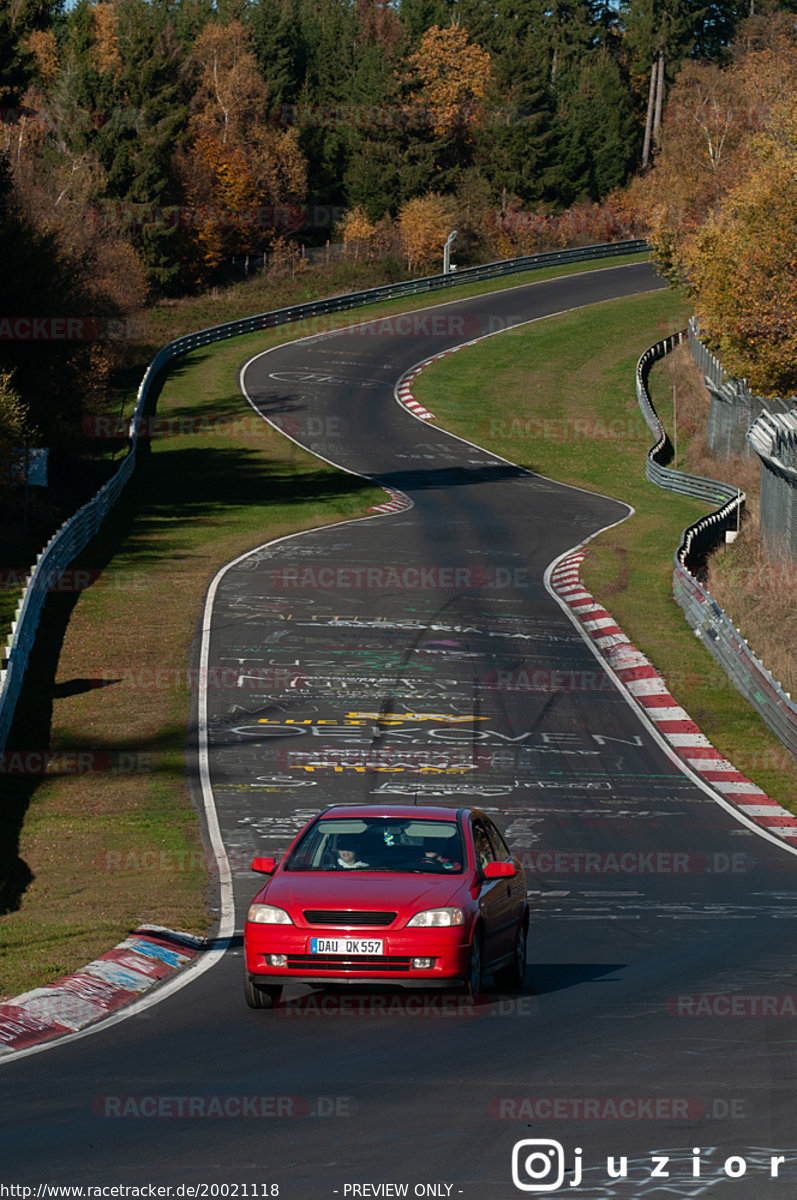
391,657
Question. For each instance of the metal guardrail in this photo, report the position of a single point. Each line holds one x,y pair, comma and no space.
774,438
728,648
711,490
734,408
75,534
709,364
711,624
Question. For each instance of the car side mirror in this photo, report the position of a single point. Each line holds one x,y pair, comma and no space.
264,866
498,870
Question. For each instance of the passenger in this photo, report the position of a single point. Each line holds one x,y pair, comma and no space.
348,859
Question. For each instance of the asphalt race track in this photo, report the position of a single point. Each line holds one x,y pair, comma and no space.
391,657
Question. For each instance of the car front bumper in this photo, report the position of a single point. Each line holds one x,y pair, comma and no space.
448,948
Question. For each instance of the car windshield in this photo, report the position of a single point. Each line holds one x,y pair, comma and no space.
398,845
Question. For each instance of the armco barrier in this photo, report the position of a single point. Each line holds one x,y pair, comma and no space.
684,484
75,534
710,623
734,408
774,438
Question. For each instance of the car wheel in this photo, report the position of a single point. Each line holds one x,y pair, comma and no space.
261,995
513,975
472,984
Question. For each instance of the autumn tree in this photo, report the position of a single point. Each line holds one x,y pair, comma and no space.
16,429
453,76
22,22
357,233
704,133
239,171
709,125
424,225
45,276
742,263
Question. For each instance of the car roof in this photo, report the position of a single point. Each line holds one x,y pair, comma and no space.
435,812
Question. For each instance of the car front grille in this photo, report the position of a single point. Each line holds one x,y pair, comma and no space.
361,965
345,917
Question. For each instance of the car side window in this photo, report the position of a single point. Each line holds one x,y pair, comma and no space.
502,851
481,843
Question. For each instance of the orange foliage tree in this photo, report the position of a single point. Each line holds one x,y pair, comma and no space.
357,233
453,76
712,118
742,263
424,224
721,203
41,44
244,179
703,134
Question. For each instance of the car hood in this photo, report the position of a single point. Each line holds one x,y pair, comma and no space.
363,889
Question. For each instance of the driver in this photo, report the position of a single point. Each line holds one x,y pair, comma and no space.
438,860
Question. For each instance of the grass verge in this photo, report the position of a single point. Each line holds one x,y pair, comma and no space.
582,425
109,838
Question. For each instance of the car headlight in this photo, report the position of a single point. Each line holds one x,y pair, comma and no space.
438,917
268,914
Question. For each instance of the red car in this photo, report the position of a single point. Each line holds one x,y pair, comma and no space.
423,897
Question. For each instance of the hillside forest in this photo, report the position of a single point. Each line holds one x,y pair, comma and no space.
150,148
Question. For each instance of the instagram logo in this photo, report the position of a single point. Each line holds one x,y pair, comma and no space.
538,1165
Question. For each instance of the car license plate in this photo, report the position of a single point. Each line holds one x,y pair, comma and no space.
322,945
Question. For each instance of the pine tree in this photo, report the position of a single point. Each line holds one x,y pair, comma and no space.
597,146
515,143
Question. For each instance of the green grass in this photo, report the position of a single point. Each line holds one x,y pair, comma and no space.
526,395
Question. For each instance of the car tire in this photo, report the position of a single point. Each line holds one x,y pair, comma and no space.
472,983
261,995
513,975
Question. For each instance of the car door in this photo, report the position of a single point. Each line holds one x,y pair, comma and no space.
515,895
495,899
